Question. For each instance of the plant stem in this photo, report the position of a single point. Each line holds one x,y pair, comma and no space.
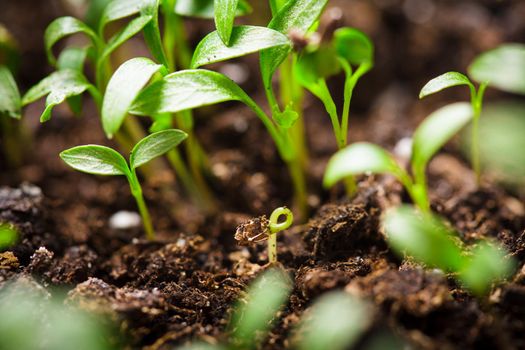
276,227
136,191
350,83
418,189
477,105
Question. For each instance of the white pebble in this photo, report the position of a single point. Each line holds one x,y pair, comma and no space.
124,220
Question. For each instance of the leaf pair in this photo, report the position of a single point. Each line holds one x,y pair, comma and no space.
426,238
502,68
430,136
101,160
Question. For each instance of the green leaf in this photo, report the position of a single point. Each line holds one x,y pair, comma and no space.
155,145
265,297
60,85
95,11
353,46
62,27
335,322
132,28
487,264
502,68
118,9
123,87
437,129
424,237
296,14
10,103
443,82
73,58
94,159
184,90
244,40
224,18
205,8
361,158
313,66
152,32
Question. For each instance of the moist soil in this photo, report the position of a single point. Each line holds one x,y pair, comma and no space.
182,286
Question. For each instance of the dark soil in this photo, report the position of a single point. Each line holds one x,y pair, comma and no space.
182,286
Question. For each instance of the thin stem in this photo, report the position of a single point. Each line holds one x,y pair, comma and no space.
276,227
418,189
323,93
350,83
477,105
136,191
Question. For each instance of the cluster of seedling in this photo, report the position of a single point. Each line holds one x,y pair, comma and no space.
305,51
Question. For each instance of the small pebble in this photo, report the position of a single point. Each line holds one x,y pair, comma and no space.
124,220
403,148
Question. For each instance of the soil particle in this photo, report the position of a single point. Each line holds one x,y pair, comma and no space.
24,208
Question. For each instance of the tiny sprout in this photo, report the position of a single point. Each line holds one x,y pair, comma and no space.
8,236
429,137
261,229
100,160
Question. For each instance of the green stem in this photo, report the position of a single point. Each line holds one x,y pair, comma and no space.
323,93
136,191
350,83
418,189
276,227
477,105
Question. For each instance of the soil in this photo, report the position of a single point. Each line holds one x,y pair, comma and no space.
182,286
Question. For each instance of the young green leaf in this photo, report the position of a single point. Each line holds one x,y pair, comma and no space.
244,40
265,297
360,158
437,129
94,159
313,66
10,103
423,237
335,322
184,90
488,264
132,28
296,14
443,82
118,9
123,87
503,68
152,32
353,46
224,18
205,8
62,27
73,58
155,145
60,85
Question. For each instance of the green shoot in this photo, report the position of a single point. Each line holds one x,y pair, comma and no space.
10,102
502,68
335,321
452,79
205,8
253,315
426,238
8,236
101,160
276,227
224,18
430,136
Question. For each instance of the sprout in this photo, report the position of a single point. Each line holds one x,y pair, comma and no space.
429,137
261,229
101,160
502,68
426,238
8,236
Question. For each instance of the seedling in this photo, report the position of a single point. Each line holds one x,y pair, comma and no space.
430,136
101,160
502,68
335,321
426,238
261,229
